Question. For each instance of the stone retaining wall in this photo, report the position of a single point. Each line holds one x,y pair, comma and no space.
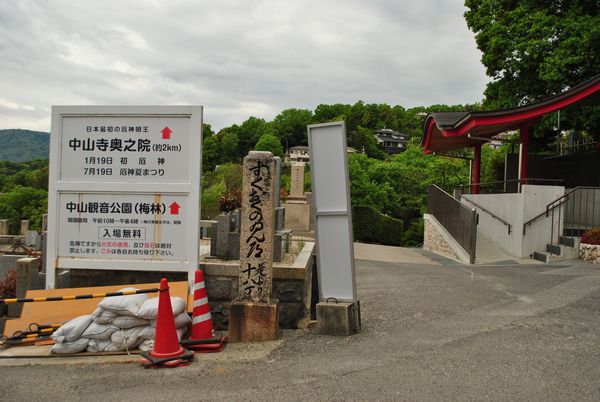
589,253
435,242
291,285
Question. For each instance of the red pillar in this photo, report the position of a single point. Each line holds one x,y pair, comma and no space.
523,153
476,167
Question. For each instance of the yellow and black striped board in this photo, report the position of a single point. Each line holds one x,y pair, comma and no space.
65,310
78,297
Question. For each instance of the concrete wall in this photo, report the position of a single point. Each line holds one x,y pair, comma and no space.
516,209
8,262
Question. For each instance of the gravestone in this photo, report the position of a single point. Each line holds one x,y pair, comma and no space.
3,227
24,227
297,182
254,315
277,185
297,209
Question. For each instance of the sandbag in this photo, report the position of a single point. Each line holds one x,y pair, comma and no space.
181,320
147,345
124,305
149,310
76,346
105,316
72,330
127,339
99,331
126,322
97,346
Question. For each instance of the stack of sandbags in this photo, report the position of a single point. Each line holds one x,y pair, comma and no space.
119,323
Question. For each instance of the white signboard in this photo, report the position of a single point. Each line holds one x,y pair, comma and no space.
331,196
124,188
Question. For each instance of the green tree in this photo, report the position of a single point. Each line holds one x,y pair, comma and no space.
229,147
269,142
535,49
290,126
210,153
23,203
250,132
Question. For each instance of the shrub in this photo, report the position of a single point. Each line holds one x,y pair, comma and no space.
230,201
591,236
370,226
8,286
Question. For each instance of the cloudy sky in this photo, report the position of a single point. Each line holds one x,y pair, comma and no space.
237,58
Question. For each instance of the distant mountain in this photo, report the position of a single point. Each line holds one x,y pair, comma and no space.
18,145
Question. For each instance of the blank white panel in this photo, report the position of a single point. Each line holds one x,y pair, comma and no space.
336,277
331,198
327,154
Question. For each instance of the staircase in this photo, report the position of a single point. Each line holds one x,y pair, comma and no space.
566,249
575,212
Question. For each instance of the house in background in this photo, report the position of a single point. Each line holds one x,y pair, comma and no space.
390,141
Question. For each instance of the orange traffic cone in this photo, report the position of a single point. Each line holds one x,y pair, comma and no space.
203,337
167,352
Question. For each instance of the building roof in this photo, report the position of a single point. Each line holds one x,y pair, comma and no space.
446,131
390,135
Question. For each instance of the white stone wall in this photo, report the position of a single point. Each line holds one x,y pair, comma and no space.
589,253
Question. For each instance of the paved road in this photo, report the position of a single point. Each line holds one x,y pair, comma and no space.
436,330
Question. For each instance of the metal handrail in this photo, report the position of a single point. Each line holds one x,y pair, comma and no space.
556,204
525,181
493,215
459,220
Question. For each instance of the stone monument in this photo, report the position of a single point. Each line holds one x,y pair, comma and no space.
297,209
254,315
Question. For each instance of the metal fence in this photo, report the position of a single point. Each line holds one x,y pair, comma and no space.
459,220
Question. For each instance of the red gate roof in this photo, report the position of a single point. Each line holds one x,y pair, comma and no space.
446,131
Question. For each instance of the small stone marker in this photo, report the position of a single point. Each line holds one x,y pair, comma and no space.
3,227
254,315
297,184
256,239
24,227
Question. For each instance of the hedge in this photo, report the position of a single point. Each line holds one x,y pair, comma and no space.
371,226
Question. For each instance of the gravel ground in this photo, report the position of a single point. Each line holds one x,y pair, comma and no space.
430,332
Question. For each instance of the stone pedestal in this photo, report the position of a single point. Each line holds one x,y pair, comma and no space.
253,322
297,215
340,319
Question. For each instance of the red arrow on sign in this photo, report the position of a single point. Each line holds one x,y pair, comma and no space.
166,133
174,208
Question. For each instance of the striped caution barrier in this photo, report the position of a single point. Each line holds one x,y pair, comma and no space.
78,297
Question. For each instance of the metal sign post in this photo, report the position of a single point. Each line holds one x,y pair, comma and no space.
124,188
333,228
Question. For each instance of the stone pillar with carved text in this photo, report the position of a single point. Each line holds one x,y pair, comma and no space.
254,315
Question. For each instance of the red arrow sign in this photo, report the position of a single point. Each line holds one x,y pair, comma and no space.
166,133
174,208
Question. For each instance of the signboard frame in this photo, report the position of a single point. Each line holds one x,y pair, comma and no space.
189,188
333,212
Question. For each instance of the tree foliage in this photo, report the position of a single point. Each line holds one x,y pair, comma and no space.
271,143
535,49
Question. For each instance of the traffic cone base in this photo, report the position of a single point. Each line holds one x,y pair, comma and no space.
168,362
211,345
166,352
